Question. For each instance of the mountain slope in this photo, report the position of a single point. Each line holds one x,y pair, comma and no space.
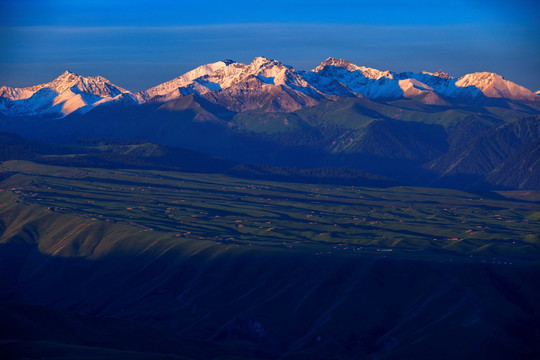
519,171
488,151
393,139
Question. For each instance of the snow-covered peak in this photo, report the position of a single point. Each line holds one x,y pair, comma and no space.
332,65
343,78
204,70
494,85
376,74
223,75
12,93
340,63
483,77
199,80
440,74
67,93
262,61
201,71
66,75
272,72
66,80
91,85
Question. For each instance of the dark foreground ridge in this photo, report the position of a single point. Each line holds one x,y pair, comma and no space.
210,303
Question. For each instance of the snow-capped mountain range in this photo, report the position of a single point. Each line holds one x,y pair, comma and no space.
263,84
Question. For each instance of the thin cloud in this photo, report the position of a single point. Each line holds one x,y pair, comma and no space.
212,27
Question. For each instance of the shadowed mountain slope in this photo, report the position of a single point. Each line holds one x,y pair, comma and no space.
501,150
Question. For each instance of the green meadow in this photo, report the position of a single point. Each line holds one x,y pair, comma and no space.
323,219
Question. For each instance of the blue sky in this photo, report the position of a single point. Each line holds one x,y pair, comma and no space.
138,44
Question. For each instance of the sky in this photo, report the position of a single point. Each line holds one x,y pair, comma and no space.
138,44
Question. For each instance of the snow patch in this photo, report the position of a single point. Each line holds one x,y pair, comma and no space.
413,87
